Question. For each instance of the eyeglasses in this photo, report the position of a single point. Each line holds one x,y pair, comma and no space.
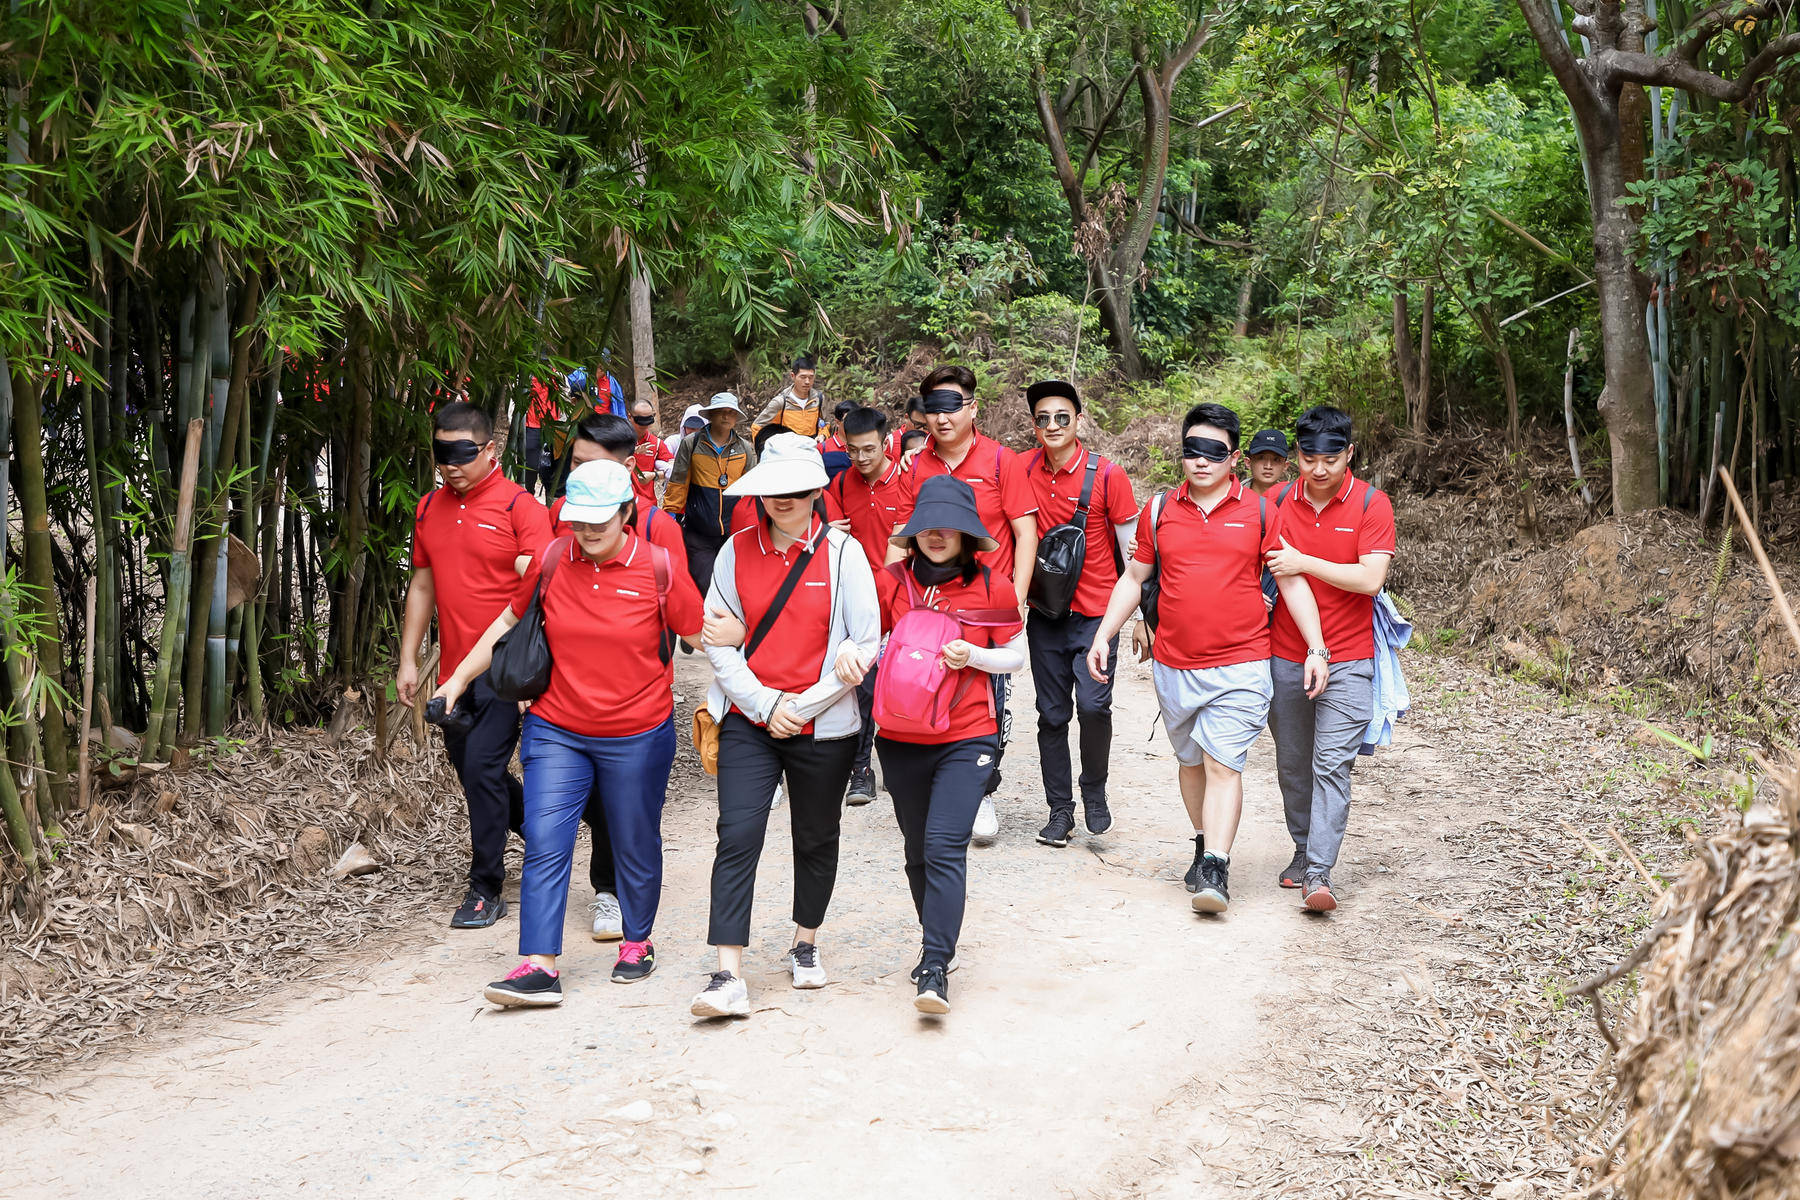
1063,420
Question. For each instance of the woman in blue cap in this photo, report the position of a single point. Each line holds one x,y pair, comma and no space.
611,730
937,732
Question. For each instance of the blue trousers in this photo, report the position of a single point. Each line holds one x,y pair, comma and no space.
631,776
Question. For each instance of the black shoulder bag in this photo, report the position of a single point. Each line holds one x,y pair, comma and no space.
520,669
1061,552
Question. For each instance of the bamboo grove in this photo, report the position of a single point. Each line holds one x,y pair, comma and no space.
245,246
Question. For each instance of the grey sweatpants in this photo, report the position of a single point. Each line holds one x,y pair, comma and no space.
1315,746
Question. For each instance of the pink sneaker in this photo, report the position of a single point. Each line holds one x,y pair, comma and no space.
636,960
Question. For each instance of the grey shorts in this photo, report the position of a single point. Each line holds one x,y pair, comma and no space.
1218,711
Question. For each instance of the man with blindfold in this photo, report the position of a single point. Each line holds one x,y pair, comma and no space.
651,458
1338,535
1206,539
473,538
1004,500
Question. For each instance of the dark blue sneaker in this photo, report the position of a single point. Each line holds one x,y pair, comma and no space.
527,987
477,911
1213,896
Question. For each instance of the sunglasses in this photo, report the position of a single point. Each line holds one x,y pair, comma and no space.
1063,420
1210,449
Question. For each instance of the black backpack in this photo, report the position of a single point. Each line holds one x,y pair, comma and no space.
1061,552
1151,597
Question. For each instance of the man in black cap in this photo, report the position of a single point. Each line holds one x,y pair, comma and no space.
1267,458
1075,488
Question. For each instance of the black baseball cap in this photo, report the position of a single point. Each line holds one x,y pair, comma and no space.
1268,441
1044,388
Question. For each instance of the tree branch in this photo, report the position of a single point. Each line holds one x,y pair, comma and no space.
1052,125
1192,230
1547,30
1693,37
1184,53
1112,110
1671,71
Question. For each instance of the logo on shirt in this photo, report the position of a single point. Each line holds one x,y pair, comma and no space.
627,592
485,525
1341,529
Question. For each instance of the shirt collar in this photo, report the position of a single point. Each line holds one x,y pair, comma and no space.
931,448
767,545
485,483
1077,461
1235,492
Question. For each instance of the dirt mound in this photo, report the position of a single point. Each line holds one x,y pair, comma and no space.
1636,597
176,890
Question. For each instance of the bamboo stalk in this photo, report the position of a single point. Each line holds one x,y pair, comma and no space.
40,576
161,732
1587,493
87,695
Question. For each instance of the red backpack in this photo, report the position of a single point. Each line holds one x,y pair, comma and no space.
915,692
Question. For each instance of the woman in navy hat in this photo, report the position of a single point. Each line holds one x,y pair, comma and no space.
936,759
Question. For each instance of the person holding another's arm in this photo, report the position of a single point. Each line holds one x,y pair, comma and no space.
593,732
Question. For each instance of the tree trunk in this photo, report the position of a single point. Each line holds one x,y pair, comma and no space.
28,440
1628,399
356,494
643,340
1413,364
1242,328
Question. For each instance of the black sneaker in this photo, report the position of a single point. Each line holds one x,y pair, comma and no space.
1057,829
477,911
1192,878
1213,896
934,991
526,987
1294,874
1097,816
636,961
862,787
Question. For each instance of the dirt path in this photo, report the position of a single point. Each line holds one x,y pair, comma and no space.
1096,1020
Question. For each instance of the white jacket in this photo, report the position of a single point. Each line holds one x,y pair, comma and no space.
829,704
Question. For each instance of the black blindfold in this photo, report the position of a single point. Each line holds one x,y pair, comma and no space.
1207,448
944,400
1323,443
454,454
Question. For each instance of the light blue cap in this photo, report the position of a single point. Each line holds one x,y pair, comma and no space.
595,491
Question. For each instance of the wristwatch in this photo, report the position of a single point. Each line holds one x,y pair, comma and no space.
1319,652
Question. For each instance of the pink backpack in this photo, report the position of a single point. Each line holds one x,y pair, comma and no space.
914,691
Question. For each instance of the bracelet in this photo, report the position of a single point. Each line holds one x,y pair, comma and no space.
1319,652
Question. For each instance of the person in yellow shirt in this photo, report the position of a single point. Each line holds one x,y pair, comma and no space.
799,406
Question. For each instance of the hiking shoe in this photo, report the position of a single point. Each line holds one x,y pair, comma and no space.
1192,878
1213,896
987,822
1057,829
934,991
803,961
1096,816
477,911
636,961
955,962
1294,874
528,986
609,926
723,996
1317,894
775,800
862,787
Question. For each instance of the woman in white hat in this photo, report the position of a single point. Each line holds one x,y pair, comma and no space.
793,620
608,730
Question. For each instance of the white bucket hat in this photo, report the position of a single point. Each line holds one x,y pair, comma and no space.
595,491
722,400
788,464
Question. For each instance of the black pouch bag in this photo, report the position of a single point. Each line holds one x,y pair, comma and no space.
521,665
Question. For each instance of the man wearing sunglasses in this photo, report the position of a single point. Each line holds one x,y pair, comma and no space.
1067,477
651,458
475,536
1206,540
1002,498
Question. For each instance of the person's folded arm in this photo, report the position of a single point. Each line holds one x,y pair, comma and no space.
999,660
859,612
731,669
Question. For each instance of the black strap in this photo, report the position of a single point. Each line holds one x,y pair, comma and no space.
787,589
1087,490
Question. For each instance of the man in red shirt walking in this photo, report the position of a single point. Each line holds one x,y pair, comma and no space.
1205,542
649,455
1003,500
871,495
1068,479
473,538
1338,535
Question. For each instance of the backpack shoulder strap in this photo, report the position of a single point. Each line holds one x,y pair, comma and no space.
659,567
1368,494
1285,492
1087,490
999,461
1262,517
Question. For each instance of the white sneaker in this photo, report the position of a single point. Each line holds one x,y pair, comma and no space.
609,925
775,802
725,995
808,971
987,821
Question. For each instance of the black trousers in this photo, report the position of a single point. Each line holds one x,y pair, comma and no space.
600,861
1065,691
936,791
751,763
865,737
495,797
702,548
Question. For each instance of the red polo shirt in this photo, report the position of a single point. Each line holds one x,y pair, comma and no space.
895,450
663,531
997,478
973,715
792,657
873,509
608,679
834,442
650,451
1212,607
1341,532
471,543
1058,494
